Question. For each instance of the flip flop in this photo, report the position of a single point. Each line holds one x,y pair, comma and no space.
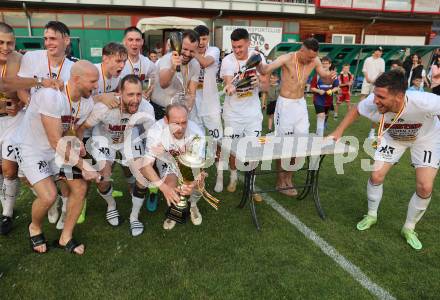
38,240
70,246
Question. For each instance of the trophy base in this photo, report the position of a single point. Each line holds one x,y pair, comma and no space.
178,214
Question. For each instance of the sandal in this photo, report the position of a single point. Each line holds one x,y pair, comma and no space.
136,228
70,246
38,240
111,215
6,225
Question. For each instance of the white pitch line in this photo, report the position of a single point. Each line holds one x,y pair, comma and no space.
329,250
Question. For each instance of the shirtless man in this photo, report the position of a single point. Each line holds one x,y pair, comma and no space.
291,116
10,116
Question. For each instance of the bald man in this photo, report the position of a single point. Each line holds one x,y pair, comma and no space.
39,140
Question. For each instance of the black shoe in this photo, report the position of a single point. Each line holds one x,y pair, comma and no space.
6,225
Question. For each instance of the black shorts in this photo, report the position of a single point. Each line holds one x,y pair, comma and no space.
270,110
322,109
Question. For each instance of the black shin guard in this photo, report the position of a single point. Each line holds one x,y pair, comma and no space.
139,192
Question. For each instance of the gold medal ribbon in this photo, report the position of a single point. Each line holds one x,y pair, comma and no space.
4,70
72,119
381,131
103,78
132,66
214,202
299,74
59,71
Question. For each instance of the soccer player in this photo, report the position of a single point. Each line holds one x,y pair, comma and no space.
50,115
323,90
172,86
114,56
407,120
111,131
206,110
49,63
291,110
242,107
10,117
137,63
345,82
170,135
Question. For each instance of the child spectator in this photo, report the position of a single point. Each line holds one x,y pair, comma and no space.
274,92
323,91
345,82
416,84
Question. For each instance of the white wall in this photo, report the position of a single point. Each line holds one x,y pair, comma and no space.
394,40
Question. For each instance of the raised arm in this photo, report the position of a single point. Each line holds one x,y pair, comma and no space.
323,72
167,69
266,69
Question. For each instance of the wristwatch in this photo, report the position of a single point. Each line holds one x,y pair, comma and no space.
39,82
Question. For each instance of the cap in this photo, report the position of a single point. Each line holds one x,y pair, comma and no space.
379,49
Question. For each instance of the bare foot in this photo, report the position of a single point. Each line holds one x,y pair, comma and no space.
79,250
33,231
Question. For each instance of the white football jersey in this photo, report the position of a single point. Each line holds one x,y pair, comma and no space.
418,120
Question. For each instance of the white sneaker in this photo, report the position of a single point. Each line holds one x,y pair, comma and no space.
60,223
53,214
218,185
196,217
169,224
232,186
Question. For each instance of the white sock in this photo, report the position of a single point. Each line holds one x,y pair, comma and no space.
219,172
233,175
137,205
111,203
9,193
194,198
374,195
64,206
416,208
320,123
219,181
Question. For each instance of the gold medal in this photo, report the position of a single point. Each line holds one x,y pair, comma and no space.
381,131
71,131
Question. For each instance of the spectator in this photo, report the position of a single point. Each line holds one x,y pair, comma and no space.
435,79
416,84
416,69
152,55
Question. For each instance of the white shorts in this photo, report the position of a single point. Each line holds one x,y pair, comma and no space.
35,166
291,117
164,169
212,123
424,153
367,88
8,125
237,129
103,150
8,150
